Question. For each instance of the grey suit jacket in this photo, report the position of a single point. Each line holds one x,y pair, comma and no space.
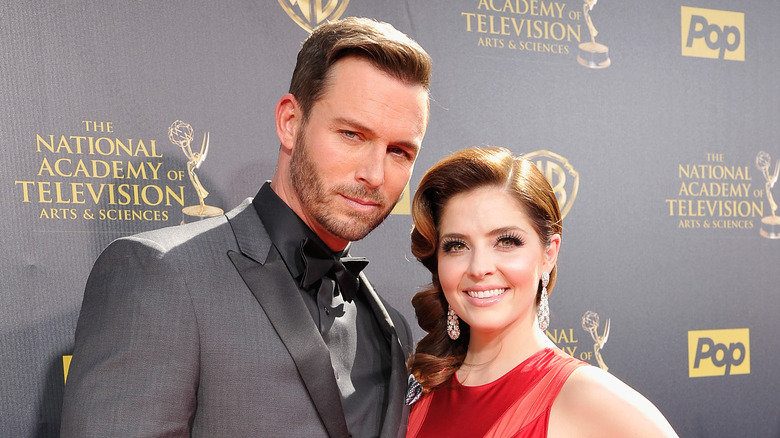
199,330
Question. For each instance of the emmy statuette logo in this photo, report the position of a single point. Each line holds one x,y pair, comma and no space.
181,134
592,54
590,323
770,225
311,13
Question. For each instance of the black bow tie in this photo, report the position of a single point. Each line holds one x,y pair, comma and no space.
318,263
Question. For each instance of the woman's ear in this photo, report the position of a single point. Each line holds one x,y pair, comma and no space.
551,252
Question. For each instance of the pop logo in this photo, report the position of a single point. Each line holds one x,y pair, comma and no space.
718,352
710,33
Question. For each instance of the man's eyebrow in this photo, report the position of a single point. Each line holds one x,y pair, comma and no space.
363,128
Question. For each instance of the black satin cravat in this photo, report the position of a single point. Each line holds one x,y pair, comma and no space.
318,263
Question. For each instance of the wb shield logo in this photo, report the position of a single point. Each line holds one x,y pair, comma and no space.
565,181
311,13
718,352
710,33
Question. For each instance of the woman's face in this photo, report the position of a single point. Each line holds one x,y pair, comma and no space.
491,260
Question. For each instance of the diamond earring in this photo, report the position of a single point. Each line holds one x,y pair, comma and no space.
543,309
453,325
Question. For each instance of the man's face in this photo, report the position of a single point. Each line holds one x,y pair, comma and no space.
354,155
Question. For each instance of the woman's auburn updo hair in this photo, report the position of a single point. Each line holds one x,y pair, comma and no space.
437,357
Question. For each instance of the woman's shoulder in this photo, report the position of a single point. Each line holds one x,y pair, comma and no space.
593,402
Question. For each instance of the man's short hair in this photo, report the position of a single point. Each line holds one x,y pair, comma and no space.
387,48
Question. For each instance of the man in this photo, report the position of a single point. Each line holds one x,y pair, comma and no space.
249,324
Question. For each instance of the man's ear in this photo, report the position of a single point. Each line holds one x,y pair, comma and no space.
288,120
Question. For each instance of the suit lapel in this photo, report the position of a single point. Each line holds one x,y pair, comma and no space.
265,274
293,324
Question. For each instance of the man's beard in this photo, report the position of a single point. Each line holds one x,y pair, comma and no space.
309,188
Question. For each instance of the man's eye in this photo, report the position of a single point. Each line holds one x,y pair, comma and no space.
400,152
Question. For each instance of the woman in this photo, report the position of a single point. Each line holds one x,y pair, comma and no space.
488,227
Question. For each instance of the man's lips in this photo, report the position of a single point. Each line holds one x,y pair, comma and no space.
366,205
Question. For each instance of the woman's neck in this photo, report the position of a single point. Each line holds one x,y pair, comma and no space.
491,355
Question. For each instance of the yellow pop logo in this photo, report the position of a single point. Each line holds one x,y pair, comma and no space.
718,352
710,33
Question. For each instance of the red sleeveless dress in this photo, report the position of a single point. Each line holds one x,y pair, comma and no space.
516,405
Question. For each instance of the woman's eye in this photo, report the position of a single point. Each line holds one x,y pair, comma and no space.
453,246
509,242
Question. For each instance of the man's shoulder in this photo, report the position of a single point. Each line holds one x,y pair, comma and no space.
206,231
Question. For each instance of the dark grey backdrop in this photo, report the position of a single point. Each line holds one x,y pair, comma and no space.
627,131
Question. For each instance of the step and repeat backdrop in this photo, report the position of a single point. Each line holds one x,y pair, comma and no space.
656,123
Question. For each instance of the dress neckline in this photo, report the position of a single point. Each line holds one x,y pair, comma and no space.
535,356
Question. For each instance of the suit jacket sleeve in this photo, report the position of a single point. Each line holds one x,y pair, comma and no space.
135,364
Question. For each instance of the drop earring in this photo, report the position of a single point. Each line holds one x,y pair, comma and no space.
543,309
453,325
